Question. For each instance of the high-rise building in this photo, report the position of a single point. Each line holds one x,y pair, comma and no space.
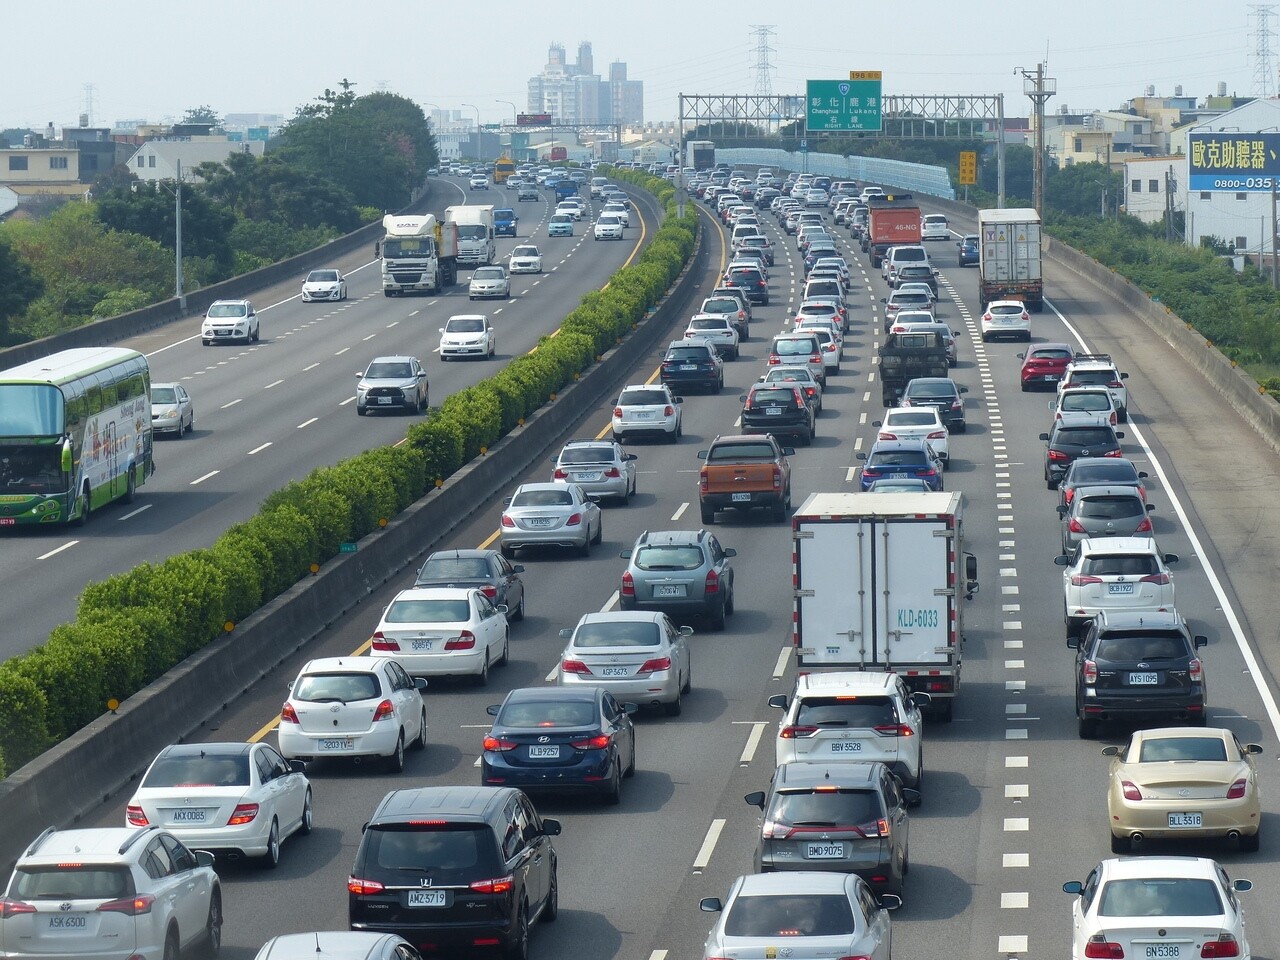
573,93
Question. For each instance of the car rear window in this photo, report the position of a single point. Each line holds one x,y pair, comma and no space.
1121,565
687,354
1160,897
1166,749
79,882
440,568
932,389
627,633
911,418
542,498
1091,401
773,397
642,398
1049,354
914,298
1110,507
1100,437
790,915
852,712
721,305
740,451
819,309
586,455
447,853
189,771
841,808
548,713
1142,647
671,556
795,348
909,255
429,611
708,323
336,687
1109,471
897,458
1093,376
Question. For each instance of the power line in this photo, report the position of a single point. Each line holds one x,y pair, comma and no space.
764,65
1263,74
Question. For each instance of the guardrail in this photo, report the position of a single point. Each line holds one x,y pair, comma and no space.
917,177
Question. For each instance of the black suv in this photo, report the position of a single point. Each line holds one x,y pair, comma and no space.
455,867
1067,442
751,282
1137,665
916,273
692,363
781,409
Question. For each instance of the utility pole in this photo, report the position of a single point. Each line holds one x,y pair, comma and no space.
177,245
1000,151
1039,88
1275,277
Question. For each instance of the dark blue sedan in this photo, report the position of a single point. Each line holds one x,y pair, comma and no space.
899,460
560,739
968,250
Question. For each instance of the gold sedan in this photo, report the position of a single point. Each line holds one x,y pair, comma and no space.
1183,781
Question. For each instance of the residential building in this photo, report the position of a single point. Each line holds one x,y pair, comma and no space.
1153,185
158,159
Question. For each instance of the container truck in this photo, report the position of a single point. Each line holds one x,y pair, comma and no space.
892,221
475,233
700,154
880,581
1009,246
419,254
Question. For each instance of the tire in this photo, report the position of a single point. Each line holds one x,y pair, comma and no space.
1087,728
395,762
83,519
688,679
506,651
599,538
271,859
675,707
182,429
551,909
308,815
631,767
131,489
507,552
944,713
482,678
918,784
1048,482
717,619
729,605
257,333
361,412
171,945
613,796
518,613
709,516
1251,844
518,948
420,741
213,926
780,510
961,427
1121,844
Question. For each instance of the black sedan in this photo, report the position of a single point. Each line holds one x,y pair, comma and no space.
485,570
942,393
1069,442
560,739
1100,471
780,409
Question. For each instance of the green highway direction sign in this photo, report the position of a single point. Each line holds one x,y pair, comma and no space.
847,106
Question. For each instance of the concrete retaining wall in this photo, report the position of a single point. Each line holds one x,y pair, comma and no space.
102,760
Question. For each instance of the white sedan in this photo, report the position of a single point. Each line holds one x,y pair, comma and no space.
620,211
489,283
324,285
443,631
238,798
571,209
525,259
1177,907
916,423
468,335
608,227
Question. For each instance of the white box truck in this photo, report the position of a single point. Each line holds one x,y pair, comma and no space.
476,245
1009,249
880,581
419,254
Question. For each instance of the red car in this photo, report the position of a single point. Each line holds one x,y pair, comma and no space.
1044,364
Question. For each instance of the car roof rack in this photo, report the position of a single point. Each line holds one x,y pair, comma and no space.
1099,357
135,837
44,835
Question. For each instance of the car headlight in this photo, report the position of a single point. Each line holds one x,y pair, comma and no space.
362,387
171,412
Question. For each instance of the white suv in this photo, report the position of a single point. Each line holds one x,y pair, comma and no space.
853,716
1093,369
1129,574
110,893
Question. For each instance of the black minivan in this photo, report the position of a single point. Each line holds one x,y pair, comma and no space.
455,867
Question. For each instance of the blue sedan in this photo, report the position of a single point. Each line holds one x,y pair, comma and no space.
560,225
560,739
901,459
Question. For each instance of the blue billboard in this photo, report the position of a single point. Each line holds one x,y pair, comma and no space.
1233,162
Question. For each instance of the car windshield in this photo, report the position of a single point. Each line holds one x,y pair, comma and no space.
618,633
547,713
447,852
542,498
839,808
1160,897
854,712
163,395
429,611
608,220
476,231
201,770
586,454
1140,646
911,418
1121,565
1100,437
72,882
449,568
322,276
228,310
790,915
909,255
525,252
562,218
336,687
488,273
389,370
795,348
464,325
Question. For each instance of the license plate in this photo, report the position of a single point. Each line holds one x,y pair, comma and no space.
615,672
824,851
740,498
773,411
338,743
583,477
384,400
426,898
1051,379
1158,950
423,644
1118,589
7,522
544,753
642,414
670,589
688,366
896,476
187,816
59,921
1143,679
1184,820
846,746
539,521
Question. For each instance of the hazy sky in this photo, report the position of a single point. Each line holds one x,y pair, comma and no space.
155,58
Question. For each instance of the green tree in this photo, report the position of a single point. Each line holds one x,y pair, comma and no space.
149,210
18,287
1078,189
202,114
272,189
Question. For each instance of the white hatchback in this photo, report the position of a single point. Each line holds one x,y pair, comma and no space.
645,409
444,632
468,335
916,423
1006,318
934,226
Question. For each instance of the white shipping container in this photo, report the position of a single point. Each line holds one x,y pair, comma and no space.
1009,244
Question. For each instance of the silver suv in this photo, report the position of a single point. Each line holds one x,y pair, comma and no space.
599,467
679,571
392,383
110,892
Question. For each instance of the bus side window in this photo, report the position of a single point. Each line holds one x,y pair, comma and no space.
75,405
93,396
110,396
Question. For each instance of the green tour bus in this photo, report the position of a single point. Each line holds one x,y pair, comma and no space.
75,434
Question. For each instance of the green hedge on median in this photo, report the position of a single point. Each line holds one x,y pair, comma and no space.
131,628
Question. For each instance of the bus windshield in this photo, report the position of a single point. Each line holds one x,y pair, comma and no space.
31,410
29,469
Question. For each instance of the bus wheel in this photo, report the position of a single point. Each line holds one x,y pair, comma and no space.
131,490
83,504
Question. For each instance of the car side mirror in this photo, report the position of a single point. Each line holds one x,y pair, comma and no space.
550,827
501,607
1073,886
964,389
419,683
441,329
788,451
911,797
889,901
1170,558
1253,749
298,766
1124,376
359,374
1062,560
507,502
518,567
625,555
1062,511
884,300
702,454
778,701
877,423
1022,356
632,456
566,633
685,630
204,858
492,709
1073,643
730,552
1241,886
955,333
1044,437
630,708
755,799
1111,751
421,374
1201,641
1119,436
921,699
710,905
861,456
742,398
1151,508
679,399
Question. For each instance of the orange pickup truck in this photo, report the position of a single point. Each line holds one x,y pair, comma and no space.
742,472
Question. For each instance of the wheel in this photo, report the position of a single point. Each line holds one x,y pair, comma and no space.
886,399
960,427
182,428
717,619
729,604
257,333
943,713
1120,844
271,859
420,741
613,796
395,762
482,678
599,538
506,651
1250,844
1087,728
918,783
1049,482
551,909
308,814
675,707
709,516
131,490
361,411
82,505
508,552
518,948
171,945
518,613
1195,721
212,926
1122,414
780,510
631,767
719,384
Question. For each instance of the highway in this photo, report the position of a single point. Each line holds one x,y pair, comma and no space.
270,412
1014,802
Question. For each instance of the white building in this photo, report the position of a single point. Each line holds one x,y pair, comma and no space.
158,159
1149,184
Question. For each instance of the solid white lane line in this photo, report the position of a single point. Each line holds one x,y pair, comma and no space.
780,667
307,423
211,473
231,404
259,449
134,513
708,844
608,604
550,677
753,741
680,511
57,550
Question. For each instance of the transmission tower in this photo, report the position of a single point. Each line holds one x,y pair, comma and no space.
89,89
764,65
1263,73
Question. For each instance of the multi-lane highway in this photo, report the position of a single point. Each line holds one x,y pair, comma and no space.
1013,801
270,412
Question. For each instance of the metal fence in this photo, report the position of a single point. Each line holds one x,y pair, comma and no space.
917,177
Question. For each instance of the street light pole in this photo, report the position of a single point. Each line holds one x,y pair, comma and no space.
479,132
177,244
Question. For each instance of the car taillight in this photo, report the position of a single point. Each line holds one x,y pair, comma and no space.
133,906
797,733
379,641
466,640
496,885
1130,789
655,664
774,359
1090,672
137,818
11,908
1075,526
1144,526
574,666
489,590
884,435
628,588
1058,455
573,520
668,411
384,711
1160,578
507,521
712,584
894,730
243,813
703,481
1225,946
1115,384
613,473
617,411
1099,948
362,887
777,478
1083,580
1113,453
497,744
288,714
1195,669
927,473
598,742
560,474
957,404
1113,418
937,435
1237,789
1069,494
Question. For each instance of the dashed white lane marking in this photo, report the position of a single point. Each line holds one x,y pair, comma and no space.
1014,901
1016,762
1016,791
275,384
658,955
850,474
1017,824
780,666
1012,625
680,511
550,677
342,351
259,449
211,473
346,401
753,741
1015,733
1014,860
369,337
134,513
1008,571
708,844
231,404
310,367
57,550
1012,945
307,423
1015,664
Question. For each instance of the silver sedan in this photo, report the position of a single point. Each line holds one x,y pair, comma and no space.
551,515
636,655
171,409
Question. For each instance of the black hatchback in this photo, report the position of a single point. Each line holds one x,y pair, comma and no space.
781,409
694,363
1137,665
455,868
1068,442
